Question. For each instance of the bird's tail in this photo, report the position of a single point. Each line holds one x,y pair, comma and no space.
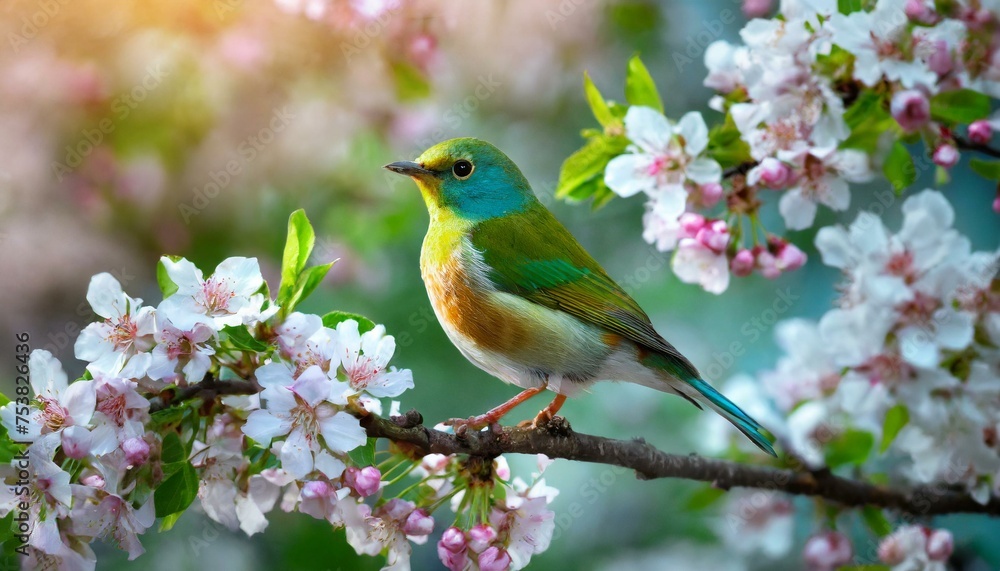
725,407
682,378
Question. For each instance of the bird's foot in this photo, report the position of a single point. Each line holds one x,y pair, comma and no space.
472,423
541,420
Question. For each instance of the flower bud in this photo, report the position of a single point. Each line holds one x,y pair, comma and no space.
940,60
136,451
714,235
365,481
711,193
918,11
827,551
691,223
911,109
940,544
76,442
316,489
790,257
756,8
772,173
767,264
891,551
418,523
481,536
494,559
980,132
451,549
93,480
742,263
946,156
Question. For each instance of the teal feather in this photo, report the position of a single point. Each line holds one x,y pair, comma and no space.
728,409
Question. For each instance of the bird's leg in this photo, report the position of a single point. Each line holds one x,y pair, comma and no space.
546,414
496,413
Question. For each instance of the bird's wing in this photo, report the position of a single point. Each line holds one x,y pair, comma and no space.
531,254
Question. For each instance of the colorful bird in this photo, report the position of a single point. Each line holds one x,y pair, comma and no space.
523,301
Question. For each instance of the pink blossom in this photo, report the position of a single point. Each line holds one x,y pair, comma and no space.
418,523
451,549
481,536
742,263
980,132
766,263
756,8
772,173
940,544
940,60
946,155
711,194
136,451
919,11
827,551
365,481
911,109
494,559
691,223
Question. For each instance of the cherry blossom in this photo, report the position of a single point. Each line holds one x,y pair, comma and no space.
365,358
121,343
227,298
303,408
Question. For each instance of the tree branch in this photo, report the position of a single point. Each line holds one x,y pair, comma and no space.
557,440
967,145
742,168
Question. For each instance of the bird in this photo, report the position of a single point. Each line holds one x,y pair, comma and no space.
522,300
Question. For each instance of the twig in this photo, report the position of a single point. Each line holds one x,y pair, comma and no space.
557,440
970,146
742,168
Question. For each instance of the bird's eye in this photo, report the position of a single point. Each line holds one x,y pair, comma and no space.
462,169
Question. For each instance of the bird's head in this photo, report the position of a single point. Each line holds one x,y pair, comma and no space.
469,178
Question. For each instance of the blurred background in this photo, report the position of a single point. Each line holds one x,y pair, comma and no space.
137,128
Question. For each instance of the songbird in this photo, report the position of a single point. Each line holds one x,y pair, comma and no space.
522,299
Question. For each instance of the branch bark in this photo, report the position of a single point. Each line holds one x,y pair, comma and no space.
558,440
967,145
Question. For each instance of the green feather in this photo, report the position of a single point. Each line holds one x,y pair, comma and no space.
531,254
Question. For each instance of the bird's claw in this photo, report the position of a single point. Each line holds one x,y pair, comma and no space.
464,424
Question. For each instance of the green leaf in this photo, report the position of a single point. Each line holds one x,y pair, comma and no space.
987,169
876,521
173,449
597,103
960,106
869,120
848,6
8,448
895,419
334,317
298,246
581,171
704,497
240,337
725,144
411,83
177,492
3,399
167,285
167,416
869,567
364,455
899,168
168,522
639,86
309,279
7,529
850,447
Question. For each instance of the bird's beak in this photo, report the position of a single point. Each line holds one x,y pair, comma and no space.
409,168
